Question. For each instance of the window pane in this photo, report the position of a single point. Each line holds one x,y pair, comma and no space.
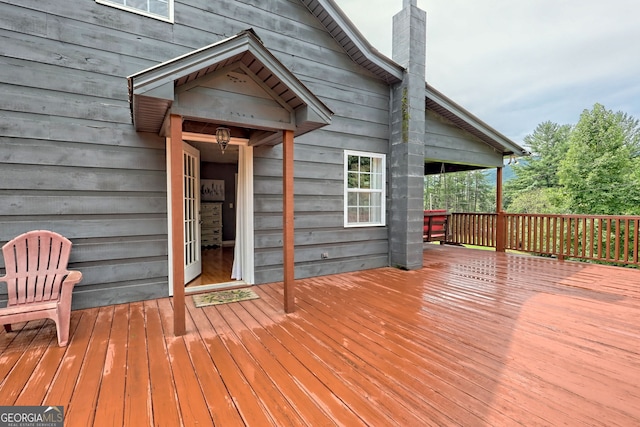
363,215
159,7
352,215
353,180
376,214
353,163
365,164
138,4
353,199
365,181
376,199
365,199
376,179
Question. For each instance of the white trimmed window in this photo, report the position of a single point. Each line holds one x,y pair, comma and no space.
364,189
159,9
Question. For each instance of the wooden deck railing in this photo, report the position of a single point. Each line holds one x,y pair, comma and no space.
472,229
592,237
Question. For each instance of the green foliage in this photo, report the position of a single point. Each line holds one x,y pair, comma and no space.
537,200
599,171
549,144
592,168
459,192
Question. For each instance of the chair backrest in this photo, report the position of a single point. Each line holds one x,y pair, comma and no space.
36,264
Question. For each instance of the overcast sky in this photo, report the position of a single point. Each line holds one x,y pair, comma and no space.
517,63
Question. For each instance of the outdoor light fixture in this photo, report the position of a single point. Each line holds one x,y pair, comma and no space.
223,136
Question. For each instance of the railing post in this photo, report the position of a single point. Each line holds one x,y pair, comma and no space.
500,229
500,233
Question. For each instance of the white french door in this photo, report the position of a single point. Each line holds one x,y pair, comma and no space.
191,196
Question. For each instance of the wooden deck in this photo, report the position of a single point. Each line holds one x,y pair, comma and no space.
474,339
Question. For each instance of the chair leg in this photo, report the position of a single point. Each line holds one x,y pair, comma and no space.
7,327
62,324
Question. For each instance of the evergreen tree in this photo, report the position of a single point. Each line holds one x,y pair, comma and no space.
549,144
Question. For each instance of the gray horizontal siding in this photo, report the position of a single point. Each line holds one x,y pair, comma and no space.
16,177
448,143
70,160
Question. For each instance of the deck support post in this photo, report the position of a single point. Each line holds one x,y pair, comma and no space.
177,224
287,221
500,228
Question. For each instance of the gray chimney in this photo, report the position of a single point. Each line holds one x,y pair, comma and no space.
406,164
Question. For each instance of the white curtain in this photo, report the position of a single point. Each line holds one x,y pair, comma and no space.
243,251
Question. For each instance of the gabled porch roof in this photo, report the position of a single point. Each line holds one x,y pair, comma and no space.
153,91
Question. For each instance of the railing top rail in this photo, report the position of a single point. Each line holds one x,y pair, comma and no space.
575,216
473,213
572,216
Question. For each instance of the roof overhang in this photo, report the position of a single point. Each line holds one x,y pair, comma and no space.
445,107
353,42
153,91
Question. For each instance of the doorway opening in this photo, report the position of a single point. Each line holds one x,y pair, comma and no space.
218,214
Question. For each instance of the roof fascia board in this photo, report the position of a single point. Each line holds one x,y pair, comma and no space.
169,71
341,19
462,114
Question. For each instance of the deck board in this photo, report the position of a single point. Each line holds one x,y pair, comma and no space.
88,384
68,369
163,392
475,338
138,408
109,409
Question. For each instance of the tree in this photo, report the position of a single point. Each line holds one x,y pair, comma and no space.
537,201
549,144
599,172
459,192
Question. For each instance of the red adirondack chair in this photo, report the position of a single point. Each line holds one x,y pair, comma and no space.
38,282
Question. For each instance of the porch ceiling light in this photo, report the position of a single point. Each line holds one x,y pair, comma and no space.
223,136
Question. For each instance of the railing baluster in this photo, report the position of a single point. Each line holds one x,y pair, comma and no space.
636,237
626,241
561,250
608,237
555,234
617,242
585,237
576,247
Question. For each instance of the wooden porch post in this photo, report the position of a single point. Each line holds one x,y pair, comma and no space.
500,237
287,220
177,224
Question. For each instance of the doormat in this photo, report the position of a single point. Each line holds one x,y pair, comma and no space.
223,297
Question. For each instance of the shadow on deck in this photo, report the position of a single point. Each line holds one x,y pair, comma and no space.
474,338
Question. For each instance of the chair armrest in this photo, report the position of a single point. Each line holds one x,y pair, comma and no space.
70,281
